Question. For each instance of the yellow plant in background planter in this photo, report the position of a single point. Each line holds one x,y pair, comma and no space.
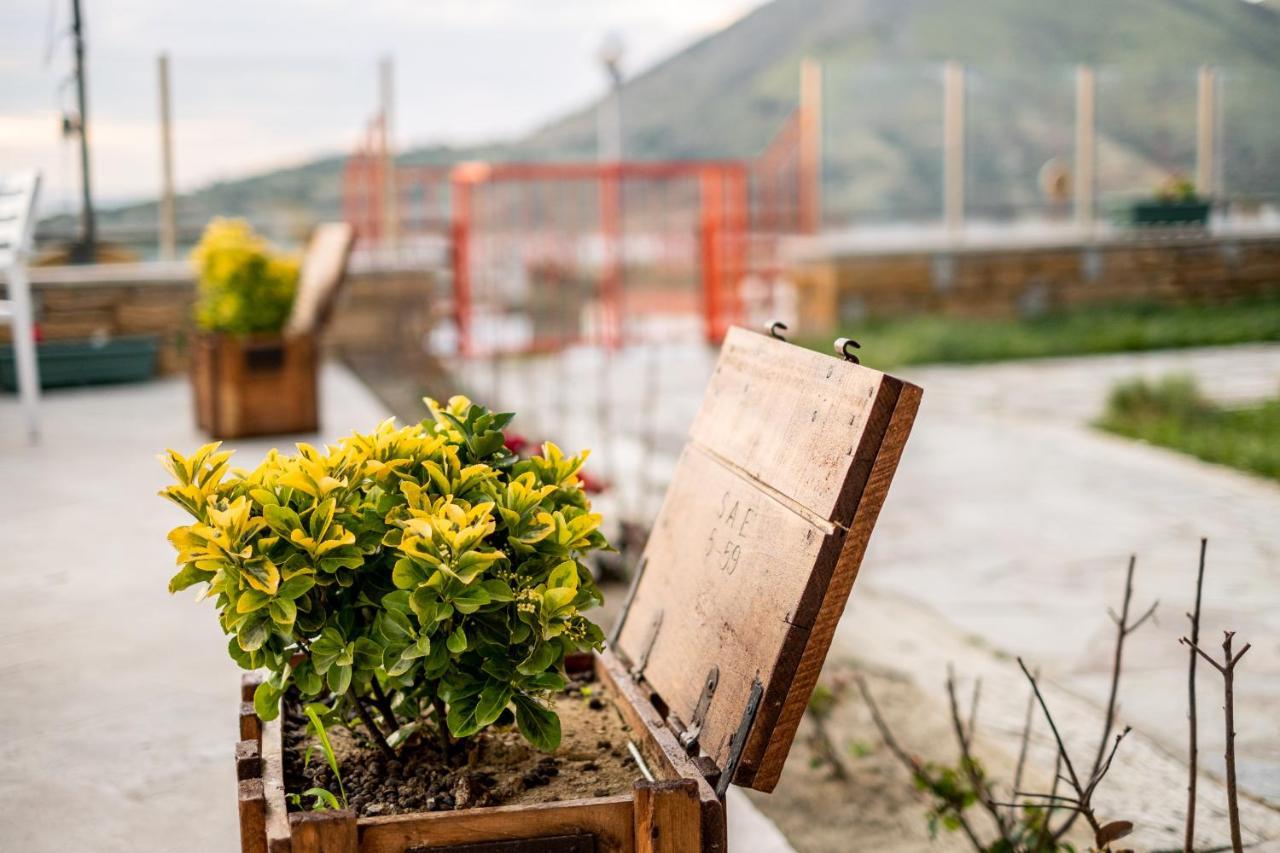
245,286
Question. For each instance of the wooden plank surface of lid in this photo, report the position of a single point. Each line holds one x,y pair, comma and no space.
324,267
754,552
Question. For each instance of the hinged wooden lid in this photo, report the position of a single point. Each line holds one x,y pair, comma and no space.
752,556
324,267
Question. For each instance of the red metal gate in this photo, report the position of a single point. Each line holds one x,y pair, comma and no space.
547,255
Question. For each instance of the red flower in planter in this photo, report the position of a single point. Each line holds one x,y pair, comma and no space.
516,443
590,484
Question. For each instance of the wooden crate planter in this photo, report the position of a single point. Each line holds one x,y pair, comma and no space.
255,385
267,384
722,636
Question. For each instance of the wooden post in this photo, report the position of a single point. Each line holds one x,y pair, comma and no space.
1206,114
250,725
323,832
390,196
810,148
953,145
668,817
253,816
168,215
1086,146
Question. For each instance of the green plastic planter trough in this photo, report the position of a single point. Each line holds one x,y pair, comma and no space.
64,363
1146,214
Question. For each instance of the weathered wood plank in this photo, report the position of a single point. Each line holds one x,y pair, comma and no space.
658,746
744,569
250,725
323,832
782,733
273,787
790,418
248,760
610,819
728,567
668,817
253,816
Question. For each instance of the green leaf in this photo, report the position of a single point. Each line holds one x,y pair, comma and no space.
493,699
307,679
188,576
564,575
281,519
324,799
254,631
296,586
266,701
470,599
326,649
457,641
283,612
543,656
407,574
339,678
368,654
317,726
552,681
394,626
540,726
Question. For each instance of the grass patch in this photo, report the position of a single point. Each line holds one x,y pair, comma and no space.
1173,413
1108,329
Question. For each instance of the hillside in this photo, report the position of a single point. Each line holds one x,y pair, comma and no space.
727,94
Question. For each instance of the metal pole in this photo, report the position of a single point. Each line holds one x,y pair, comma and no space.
85,251
953,145
168,221
1086,146
810,190
390,196
1205,121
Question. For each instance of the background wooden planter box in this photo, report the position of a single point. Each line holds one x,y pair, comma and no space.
722,636
255,385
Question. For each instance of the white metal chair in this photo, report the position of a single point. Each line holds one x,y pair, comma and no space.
17,222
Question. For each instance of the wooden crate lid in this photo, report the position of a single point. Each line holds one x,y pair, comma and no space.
324,267
754,552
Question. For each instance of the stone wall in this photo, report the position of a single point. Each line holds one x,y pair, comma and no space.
381,317
1007,282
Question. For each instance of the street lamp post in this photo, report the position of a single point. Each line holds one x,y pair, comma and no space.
609,114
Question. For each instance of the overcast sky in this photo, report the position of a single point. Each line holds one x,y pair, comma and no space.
263,83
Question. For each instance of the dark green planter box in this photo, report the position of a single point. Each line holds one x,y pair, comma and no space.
63,363
1149,213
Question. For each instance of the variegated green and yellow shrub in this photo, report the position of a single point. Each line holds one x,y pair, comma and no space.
412,571
244,286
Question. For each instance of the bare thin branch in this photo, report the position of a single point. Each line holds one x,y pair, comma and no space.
1188,841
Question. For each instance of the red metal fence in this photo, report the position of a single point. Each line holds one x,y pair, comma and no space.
546,255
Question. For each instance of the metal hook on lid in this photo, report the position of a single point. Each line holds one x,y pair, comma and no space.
776,328
845,347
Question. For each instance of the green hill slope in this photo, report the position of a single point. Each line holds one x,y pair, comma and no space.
727,94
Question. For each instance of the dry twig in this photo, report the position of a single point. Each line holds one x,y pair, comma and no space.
1227,670
909,761
1193,757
